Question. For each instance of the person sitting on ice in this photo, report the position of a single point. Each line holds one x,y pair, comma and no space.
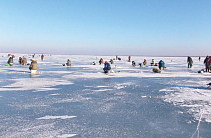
10,61
101,61
20,59
133,63
111,61
33,65
153,62
68,63
24,61
145,62
156,70
161,65
107,67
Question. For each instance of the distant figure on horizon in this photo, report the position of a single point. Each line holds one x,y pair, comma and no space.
42,57
190,62
207,63
199,58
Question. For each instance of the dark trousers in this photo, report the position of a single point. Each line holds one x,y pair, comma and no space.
207,68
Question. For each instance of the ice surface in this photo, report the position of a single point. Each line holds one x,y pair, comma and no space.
82,101
56,117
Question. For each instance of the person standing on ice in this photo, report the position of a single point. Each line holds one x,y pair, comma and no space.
42,57
190,62
207,63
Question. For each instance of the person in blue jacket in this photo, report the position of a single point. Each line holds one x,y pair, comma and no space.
107,67
161,65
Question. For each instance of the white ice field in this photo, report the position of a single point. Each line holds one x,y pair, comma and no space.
82,101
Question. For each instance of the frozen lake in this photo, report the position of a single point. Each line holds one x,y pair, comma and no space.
81,101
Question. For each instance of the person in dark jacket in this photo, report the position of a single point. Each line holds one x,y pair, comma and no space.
10,61
111,61
107,67
129,58
42,57
101,61
145,62
161,65
68,63
20,60
190,62
133,63
33,65
207,63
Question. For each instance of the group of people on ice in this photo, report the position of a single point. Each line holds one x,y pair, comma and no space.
107,67
23,61
160,65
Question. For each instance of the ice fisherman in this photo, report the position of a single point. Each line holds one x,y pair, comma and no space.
111,60
20,60
10,61
153,62
107,67
207,63
145,62
42,57
129,58
156,70
190,62
161,65
24,61
133,63
33,65
68,62
101,61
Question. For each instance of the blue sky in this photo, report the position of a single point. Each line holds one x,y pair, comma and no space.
106,27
